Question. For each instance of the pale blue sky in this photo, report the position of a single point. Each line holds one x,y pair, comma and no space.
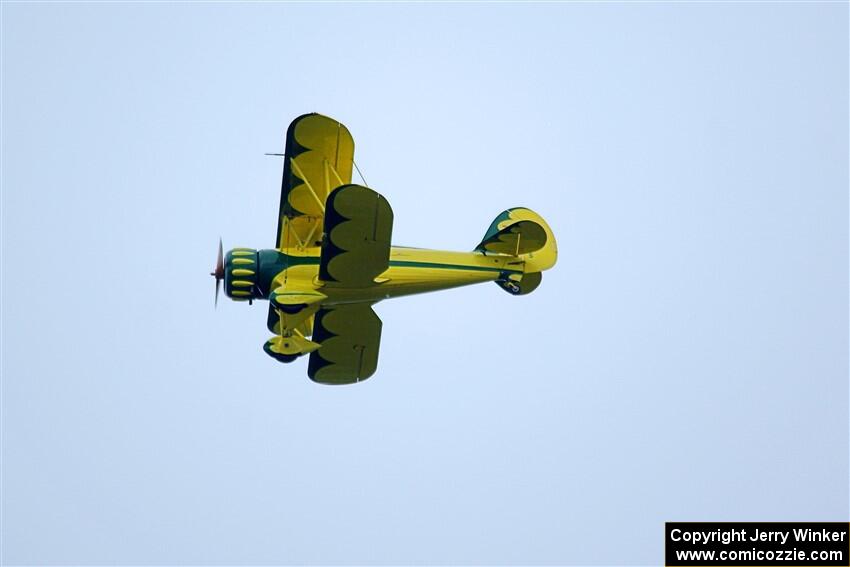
687,359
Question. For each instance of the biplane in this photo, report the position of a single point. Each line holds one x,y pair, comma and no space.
334,259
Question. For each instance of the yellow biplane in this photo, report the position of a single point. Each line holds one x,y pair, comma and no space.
334,259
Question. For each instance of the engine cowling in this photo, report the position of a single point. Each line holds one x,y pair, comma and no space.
241,266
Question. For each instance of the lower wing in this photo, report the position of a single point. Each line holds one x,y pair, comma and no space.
349,336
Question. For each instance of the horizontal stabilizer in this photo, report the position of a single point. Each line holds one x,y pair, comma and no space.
515,239
522,233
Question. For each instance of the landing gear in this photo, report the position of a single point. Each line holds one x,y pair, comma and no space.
520,284
280,357
292,309
286,348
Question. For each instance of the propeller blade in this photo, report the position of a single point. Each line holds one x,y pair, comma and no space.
218,273
219,265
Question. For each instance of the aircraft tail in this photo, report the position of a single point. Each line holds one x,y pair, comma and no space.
521,233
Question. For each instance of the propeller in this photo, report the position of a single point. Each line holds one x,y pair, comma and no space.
218,274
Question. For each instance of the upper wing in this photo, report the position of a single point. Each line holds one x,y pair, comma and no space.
319,157
350,336
358,228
